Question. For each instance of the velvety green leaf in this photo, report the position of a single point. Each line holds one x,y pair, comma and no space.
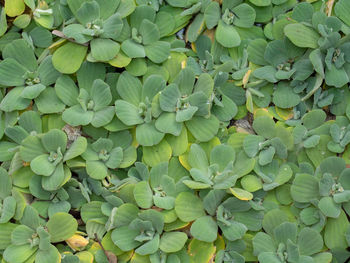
11,73
204,229
188,207
19,254
68,58
227,35
310,242
143,195
21,51
334,232
76,116
302,36
203,129
48,102
127,113
156,154
96,169
245,15
148,135
158,51
61,226
172,241
104,49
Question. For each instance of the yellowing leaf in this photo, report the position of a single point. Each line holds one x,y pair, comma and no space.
120,61
14,7
184,161
285,114
241,194
85,257
200,251
77,242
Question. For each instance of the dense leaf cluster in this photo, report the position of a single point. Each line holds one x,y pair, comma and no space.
176,131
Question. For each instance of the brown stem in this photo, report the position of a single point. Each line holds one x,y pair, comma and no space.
61,35
103,249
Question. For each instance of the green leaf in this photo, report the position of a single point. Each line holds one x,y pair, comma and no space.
261,2
203,129
42,166
149,32
31,147
227,111
77,148
284,97
342,9
245,15
61,226
148,135
21,234
286,231
22,52
125,214
104,49
5,234
88,12
5,184
31,92
222,155
149,247
124,238
22,21
115,158
8,209
251,144
11,73
188,207
167,123
52,254
264,126
171,242
197,158
204,229
133,49
100,94
143,195
301,35
48,102
158,52
13,100
76,116
268,257
127,113
262,242
156,154
68,58
227,35
53,182
272,219
212,14
19,254
66,90
304,188
251,183
334,232
96,169
314,119
54,139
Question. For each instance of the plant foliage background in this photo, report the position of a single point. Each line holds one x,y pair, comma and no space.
175,131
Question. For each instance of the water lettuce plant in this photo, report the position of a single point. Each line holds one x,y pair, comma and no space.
177,131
